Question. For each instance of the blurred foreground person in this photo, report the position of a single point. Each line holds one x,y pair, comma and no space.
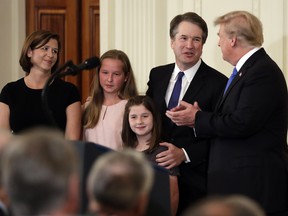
235,205
5,136
40,174
119,184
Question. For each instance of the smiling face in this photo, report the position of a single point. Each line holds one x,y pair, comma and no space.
187,45
44,57
141,121
111,76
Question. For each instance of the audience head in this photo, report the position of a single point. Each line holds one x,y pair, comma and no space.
40,173
119,183
233,205
129,135
36,40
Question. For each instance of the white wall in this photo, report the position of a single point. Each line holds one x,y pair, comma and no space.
12,25
5,42
141,29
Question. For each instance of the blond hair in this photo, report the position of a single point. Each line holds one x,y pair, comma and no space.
244,25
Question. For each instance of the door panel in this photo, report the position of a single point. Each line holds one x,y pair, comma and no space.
90,40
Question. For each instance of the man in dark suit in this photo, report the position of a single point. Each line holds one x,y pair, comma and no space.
188,33
248,154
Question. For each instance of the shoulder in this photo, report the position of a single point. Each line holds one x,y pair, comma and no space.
14,91
151,154
158,73
16,83
13,86
211,72
159,149
66,90
262,60
163,68
64,87
120,105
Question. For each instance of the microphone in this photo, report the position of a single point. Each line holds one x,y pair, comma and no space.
71,69
88,64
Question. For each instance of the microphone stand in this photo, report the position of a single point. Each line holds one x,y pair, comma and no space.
71,69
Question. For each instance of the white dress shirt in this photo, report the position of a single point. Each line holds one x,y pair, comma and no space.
186,80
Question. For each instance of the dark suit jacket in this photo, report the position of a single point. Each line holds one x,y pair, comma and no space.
206,88
250,128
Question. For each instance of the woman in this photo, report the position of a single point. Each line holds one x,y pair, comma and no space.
114,84
20,101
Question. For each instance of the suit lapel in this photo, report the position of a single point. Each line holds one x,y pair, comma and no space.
196,84
165,82
165,79
237,78
241,74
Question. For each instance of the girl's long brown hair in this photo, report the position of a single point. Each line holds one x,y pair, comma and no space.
92,112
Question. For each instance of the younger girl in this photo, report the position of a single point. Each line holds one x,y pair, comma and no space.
141,131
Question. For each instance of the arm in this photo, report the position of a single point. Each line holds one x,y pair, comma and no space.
174,194
4,116
73,124
170,158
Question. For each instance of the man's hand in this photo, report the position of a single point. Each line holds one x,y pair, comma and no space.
184,114
170,158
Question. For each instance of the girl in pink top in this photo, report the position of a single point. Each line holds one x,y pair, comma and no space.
114,84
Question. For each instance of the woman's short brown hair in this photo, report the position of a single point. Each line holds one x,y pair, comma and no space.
35,40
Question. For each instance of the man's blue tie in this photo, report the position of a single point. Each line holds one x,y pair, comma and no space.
174,99
231,78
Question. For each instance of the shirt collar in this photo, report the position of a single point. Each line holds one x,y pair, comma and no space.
189,73
244,58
